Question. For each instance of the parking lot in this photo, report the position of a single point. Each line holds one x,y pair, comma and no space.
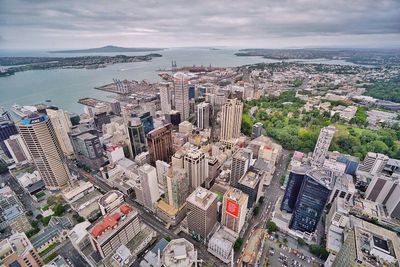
282,255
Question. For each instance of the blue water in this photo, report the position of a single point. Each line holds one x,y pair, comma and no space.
64,87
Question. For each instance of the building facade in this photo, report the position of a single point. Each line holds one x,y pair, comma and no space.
203,115
62,125
7,129
147,186
231,119
240,164
39,137
159,142
322,146
181,89
202,212
17,148
196,167
234,210
137,137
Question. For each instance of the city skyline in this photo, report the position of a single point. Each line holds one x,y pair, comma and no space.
288,24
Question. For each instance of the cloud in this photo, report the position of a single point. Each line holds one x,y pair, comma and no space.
75,23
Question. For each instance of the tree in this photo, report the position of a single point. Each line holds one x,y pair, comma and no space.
301,241
319,251
272,227
256,210
59,209
238,244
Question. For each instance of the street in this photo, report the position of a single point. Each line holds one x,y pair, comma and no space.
67,251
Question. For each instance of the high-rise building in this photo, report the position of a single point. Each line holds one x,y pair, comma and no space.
162,168
381,188
201,212
240,164
159,142
250,184
165,98
115,107
231,119
137,137
181,88
257,129
147,120
179,252
62,125
195,164
115,229
17,250
322,146
296,177
87,147
313,195
176,187
39,137
7,129
146,188
17,148
203,115
173,117
234,210
373,163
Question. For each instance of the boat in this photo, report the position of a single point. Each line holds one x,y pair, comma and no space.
22,111
48,100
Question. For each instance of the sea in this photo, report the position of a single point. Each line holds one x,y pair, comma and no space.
64,87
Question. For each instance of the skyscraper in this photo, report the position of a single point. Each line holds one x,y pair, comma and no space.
296,177
39,136
201,212
146,189
240,164
203,115
137,137
313,195
373,163
165,98
62,125
87,147
159,142
322,146
231,119
176,187
196,167
7,128
181,88
234,210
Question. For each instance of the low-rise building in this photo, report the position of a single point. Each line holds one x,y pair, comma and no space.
115,229
179,253
111,201
221,245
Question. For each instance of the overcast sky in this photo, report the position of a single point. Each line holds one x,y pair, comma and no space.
56,24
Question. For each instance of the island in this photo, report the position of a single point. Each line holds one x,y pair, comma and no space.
110,49
18,64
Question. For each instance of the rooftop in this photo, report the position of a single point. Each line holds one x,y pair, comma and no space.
179,253
112,223
202,198
110,197
250,179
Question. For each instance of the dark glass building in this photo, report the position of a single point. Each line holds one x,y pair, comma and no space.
7,128
147,120
192,92
137,137
314,193
351,164
296,177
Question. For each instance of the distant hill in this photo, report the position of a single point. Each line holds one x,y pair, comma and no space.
109,49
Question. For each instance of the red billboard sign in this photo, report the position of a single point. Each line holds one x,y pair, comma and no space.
232,208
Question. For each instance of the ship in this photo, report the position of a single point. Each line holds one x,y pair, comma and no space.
5,72
23,111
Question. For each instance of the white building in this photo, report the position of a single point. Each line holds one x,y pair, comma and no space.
231,119
203,115
373,163
181,86
17,148
62,125
322,146
146,188
165,98
196,166
185,127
